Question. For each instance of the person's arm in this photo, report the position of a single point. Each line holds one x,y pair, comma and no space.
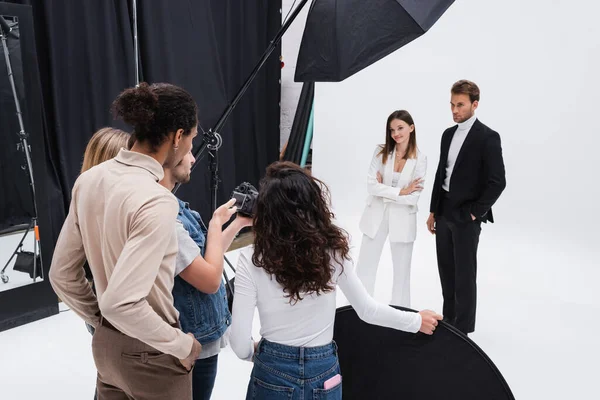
239,223
376,313
370,310
204,273
411,199
374,188
67,275
496,179
192,267
124,302
244,303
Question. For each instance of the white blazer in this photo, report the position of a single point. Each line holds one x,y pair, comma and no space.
402,209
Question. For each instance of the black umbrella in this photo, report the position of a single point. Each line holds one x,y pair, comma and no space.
344,36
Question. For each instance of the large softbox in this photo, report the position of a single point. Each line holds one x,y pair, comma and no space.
342,37
382,363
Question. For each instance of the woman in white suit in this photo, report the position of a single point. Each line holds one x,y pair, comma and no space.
394,183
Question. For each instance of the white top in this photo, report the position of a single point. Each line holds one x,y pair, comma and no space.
457,141
396,178
307,323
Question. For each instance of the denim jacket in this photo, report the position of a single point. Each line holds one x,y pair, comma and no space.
205,315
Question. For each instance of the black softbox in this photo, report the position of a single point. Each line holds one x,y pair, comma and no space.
343,37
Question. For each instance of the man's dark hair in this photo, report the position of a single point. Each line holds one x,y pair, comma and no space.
155,111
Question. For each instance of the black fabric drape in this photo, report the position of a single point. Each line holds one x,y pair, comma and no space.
295,146
89,51
243,32
180,47
85,58
209,47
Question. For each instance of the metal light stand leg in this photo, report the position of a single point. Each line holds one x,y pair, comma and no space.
37,246
17,249
24,145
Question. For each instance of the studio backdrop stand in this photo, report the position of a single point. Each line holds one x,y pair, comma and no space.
23,145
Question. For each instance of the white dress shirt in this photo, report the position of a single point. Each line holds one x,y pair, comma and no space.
457,141
308,322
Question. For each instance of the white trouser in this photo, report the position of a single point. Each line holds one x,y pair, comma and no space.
368,262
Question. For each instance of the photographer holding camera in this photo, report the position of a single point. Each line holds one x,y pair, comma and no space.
199,293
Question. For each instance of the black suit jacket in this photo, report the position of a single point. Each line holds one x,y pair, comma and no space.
478,177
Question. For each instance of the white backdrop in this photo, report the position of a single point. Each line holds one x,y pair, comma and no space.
537,63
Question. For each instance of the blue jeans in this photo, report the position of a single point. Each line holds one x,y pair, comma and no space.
295,373
203,378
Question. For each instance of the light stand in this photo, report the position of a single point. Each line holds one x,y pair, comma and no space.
212,139
135,45
23,145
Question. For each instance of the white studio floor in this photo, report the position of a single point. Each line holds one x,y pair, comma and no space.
537,320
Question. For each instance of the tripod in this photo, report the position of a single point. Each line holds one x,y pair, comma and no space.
24,146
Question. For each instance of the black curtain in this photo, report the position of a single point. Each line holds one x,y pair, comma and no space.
210,48
295,144
85,53
254,125
181,47
85,58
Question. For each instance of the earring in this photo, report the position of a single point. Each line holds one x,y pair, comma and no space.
175,148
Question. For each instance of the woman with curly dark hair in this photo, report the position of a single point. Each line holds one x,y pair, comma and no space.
298,259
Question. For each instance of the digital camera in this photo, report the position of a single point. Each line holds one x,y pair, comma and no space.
245,197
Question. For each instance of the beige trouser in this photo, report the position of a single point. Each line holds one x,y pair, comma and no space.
129,369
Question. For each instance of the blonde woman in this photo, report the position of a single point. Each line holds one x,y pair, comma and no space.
104,145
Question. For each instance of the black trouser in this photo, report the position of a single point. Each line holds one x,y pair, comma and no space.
456,245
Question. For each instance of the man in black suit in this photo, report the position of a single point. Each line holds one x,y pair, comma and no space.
469,180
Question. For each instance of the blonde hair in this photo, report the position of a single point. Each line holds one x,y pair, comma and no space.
104,145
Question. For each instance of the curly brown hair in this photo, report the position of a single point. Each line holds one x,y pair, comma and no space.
295,239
